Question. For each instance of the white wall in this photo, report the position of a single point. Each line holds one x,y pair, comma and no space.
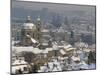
5,36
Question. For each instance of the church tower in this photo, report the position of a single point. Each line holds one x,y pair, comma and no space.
38,27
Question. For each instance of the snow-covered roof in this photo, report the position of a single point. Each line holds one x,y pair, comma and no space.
44,43
70,49
75,58
27,49
37,51
62,58
55,47
32,39
13,42
45,51
30,49
19,62
86,50
49,49
62,52
18,65
45,30
68,46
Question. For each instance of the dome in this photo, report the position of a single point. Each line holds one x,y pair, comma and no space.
29,26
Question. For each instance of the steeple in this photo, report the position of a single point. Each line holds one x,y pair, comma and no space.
28,19
38,23
38,26
38,18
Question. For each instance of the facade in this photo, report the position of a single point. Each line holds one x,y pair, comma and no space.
20,66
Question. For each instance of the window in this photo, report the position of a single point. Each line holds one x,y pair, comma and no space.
25,68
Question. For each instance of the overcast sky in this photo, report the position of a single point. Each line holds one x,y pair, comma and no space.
51,6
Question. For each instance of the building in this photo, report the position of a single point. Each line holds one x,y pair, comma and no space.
28,31
20,66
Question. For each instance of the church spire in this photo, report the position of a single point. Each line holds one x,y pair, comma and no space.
28,19
38,18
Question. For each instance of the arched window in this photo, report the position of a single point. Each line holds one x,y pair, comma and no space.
25,68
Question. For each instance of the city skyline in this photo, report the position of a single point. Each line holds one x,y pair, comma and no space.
49,37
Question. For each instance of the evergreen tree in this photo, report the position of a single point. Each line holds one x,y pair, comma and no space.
28,56
91,57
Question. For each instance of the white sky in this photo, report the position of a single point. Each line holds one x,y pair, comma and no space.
54,7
